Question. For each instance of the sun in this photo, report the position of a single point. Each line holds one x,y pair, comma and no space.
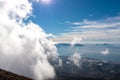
46,1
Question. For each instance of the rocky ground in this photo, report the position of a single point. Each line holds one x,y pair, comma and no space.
5,75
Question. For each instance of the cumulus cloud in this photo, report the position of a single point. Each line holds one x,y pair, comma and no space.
76,40
75,58
105,52
24,47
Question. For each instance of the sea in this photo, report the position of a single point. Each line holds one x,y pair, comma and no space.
93,51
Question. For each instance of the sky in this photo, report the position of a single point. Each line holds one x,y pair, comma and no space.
91,20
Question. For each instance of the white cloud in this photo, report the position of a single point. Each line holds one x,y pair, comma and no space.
105,52
75,58
24,48
76,40
104,30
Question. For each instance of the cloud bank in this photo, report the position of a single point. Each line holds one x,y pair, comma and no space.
24,47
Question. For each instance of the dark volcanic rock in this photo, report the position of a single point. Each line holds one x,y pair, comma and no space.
5,75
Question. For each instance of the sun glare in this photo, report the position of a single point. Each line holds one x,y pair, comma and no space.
46,1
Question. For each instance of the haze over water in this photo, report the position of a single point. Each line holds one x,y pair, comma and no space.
91,51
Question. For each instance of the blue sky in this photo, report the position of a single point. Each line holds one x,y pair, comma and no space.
69,18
